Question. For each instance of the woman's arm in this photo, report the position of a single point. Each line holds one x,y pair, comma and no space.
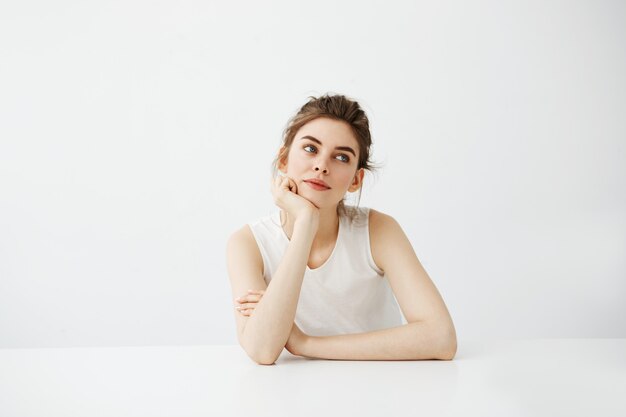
421,303
429,332
411,341
265,333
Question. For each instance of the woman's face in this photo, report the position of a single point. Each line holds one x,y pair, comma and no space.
314,154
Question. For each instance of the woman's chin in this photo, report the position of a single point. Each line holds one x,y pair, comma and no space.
309,200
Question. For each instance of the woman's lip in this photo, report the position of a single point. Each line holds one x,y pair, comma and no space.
316,186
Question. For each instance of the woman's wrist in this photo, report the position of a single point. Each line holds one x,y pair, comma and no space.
308,221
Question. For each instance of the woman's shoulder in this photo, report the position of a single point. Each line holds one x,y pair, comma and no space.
364,215
379,219
242,242
243,235
264,225
383,226
384,232
248,233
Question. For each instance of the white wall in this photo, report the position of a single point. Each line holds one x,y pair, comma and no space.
135,136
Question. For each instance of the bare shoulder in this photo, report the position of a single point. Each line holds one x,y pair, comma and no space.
243,233
384,230
242,243
245,268
378,217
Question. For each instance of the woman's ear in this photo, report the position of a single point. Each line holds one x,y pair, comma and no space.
357,182
282,161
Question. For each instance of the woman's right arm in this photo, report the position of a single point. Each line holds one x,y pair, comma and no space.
264,334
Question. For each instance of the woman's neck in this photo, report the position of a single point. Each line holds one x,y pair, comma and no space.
327,230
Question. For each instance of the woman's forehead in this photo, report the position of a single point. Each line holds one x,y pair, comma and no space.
329,132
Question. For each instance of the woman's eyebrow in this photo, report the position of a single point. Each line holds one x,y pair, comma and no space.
341,148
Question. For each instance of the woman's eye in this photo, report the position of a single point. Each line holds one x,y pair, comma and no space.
347,159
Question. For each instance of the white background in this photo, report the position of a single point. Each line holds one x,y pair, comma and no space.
136,136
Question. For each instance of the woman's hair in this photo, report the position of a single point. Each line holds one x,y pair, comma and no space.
337,107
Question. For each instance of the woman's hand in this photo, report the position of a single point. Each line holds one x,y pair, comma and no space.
247,304
285,193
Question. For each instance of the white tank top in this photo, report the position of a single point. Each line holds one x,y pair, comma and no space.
348,293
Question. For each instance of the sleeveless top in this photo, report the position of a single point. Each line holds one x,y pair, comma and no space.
348,293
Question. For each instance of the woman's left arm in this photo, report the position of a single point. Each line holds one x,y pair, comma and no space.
429,332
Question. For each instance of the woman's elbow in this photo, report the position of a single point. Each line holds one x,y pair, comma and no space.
449,353
263,359
449,346
444,338
258,352
260,358
265,362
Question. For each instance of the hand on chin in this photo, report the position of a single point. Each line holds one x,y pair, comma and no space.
308,199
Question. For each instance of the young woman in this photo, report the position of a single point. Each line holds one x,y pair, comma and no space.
324,280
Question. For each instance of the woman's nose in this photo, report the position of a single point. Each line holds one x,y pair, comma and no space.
318,168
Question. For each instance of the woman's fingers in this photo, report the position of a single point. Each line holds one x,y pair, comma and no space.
247,303
249,297
245,311
285,184
246,306
243,306
250,300
277,183
252,293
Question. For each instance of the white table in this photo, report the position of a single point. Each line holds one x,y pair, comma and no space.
504,378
